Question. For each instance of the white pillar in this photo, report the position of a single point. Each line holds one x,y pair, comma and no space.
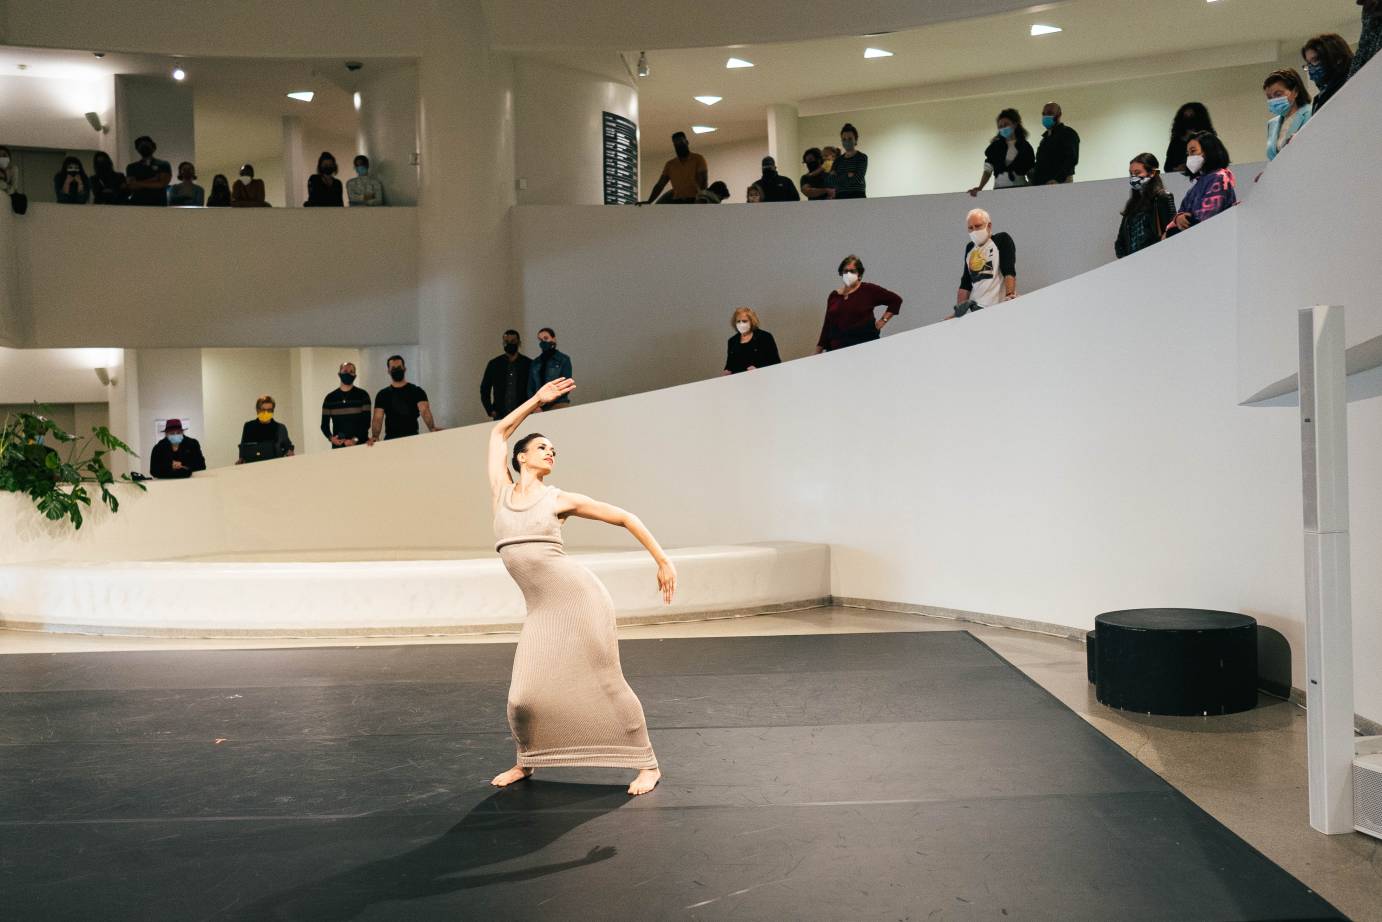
294,163
782,139
389,131
465,297
1328,616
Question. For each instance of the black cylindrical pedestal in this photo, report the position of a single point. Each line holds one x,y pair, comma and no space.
1175,661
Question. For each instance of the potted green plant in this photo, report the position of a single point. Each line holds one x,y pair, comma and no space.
55,468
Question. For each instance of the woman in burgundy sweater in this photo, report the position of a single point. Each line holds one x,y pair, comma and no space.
849,318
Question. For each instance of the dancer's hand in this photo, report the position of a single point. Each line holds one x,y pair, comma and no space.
555,389
667,580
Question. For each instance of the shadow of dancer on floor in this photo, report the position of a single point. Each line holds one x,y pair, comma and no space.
508,825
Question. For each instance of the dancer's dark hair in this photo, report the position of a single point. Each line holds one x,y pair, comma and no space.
522,445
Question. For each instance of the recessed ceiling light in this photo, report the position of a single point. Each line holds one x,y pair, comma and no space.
302,95
355,100
877,53
1045,30
702,129
179,73
707,100
732,63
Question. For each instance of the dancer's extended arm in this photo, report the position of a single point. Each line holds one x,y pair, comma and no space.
587,508
499,436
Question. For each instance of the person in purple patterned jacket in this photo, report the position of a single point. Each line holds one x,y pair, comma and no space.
1214,189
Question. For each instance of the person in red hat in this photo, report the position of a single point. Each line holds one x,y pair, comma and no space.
177,455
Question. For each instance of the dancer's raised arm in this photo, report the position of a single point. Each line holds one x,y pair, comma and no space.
499,436
586,508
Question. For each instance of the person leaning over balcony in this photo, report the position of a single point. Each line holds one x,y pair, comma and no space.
1371,38
177,455
687,172
1214,189
362,188
816,184
713,194
1149,209
148,177
323,188
990,273
346,411
220,192
504,386
1190,118
1009,157
398,406
550,365
247,192
107,185
851,166
9,172
849,310
1327,59
1059,151
71,185
265,430
749,346
185,191
1289,102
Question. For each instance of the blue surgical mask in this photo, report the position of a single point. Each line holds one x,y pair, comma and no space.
1048,122
1317,74
1006,131
547,345
1279,105
175,439
361,170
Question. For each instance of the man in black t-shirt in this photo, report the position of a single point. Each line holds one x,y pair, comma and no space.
398,406
346,411
148,177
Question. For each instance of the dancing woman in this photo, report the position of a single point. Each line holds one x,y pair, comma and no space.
568,701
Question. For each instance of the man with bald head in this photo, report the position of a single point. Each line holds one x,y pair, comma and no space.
1058,151
990,273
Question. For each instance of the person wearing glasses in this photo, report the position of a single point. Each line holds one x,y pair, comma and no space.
850,310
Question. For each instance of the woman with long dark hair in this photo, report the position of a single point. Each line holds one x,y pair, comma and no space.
220,192
107,183
569,703
71,185
323,188
1190,118
1214,190
1009,157
1149,209
1327,59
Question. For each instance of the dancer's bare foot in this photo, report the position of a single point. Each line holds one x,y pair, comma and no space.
517,773
647,780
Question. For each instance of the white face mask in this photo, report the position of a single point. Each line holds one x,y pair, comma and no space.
980,237
1194,163
743,326
4,163
849,278
247,179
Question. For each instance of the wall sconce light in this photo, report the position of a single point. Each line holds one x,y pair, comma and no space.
95,121
103,375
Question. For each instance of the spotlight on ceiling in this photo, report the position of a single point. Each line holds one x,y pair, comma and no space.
1045,30
643,69
702,129
877,53
179,74
302,95
734,63
707,100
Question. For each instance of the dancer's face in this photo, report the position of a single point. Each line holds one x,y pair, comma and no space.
540,456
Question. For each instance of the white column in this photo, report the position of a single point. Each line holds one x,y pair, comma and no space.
389,131
1328,616
782,139
466,293
294,163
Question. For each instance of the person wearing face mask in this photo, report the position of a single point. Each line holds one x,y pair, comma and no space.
1149,209
851,310
107,184
990,271
851,166
185,192
220,192
505,384
1289,102
776,187
749,346
550,365
1327,59
1190,118
148,177
1008,158
817,184
1370,40
1059,150
1214,189
264,438
247,192
71,185
177,455
687,172
346,411
398,406
323,188
362,188
829,155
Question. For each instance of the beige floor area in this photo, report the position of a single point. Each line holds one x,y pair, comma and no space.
1247,770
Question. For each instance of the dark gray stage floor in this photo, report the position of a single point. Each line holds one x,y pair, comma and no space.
867,776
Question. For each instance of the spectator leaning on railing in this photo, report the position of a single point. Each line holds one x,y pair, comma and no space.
849,309
817,184
1327,60
990,272
1289,102
185,191
362,188
1009,157
1149,209
71,185
148,177
749,347
1214,189
177,455
247,192
1059,151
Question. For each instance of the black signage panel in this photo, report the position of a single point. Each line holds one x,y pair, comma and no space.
621,160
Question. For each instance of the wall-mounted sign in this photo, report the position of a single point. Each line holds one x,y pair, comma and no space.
621,160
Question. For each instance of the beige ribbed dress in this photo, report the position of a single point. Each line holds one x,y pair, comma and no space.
568,701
